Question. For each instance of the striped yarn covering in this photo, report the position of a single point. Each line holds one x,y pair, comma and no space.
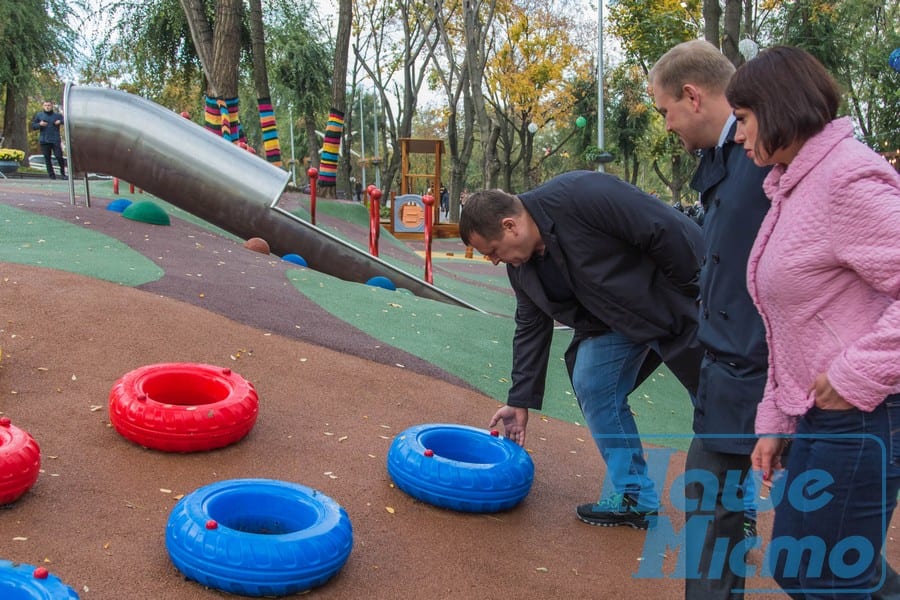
222,117
331,149
269,131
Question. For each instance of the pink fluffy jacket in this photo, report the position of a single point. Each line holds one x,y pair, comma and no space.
824,273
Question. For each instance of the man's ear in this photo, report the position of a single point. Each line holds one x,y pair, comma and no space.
693,94
508,224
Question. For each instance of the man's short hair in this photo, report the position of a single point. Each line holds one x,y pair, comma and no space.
697,62
484,212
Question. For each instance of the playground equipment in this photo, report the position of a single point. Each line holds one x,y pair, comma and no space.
20,461
113,132
429,232
460,467
407,210
183,407
258,537
19,581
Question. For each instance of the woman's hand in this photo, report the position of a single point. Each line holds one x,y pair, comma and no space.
827,398
766,457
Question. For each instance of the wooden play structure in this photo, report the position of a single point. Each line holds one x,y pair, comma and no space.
407,209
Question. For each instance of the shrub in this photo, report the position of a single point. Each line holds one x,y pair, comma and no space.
12,154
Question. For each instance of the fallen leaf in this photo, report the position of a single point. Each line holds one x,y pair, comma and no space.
22,539
542,570
390,509
343,437
165,491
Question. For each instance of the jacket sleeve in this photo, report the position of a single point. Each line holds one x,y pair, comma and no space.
770,419
36,121
531,351
671,239
865,238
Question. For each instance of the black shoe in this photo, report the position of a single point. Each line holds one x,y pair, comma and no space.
63,177
617,509
750,528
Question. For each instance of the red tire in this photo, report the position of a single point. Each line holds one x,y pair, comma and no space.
183,407
20,461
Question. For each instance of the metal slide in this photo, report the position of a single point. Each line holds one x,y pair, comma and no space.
119,134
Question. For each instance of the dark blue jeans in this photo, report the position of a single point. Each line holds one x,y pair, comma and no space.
828,535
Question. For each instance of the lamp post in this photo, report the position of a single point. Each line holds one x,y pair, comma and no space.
293,162
600,80
362,139
377,142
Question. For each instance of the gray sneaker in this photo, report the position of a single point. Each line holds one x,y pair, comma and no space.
617,509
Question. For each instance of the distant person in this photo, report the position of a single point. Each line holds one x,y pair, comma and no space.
445,201
358,190
688,88
824,273
620,268
47,121
463,198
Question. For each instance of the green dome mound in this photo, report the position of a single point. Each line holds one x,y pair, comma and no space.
147,212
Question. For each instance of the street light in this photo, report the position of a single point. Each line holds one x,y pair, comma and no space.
600,80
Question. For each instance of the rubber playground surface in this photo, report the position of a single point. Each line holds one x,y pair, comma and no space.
341,368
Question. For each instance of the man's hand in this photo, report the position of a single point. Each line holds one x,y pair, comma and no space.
515,420
42,123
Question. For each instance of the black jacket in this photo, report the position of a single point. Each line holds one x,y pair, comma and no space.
49,132
733,373
632,263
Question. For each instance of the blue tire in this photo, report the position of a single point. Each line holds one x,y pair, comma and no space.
459,467
258,537
19,581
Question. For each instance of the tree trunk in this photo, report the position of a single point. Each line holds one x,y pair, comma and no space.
339,73
271,148
219,50
201,34
475,63
16,120
712,13
731,31
226,49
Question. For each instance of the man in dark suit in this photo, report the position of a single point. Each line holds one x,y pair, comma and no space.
48,123
620,268
688,87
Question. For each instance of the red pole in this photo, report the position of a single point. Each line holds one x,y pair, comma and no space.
429,214
116,186
374,219
313,175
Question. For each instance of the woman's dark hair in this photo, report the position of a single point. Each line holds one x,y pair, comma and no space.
791,94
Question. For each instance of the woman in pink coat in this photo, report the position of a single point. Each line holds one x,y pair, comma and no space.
824,273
